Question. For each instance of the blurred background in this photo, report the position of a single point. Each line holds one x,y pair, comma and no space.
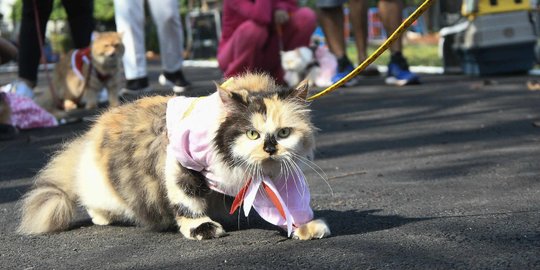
427,43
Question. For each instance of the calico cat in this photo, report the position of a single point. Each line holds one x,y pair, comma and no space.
81,74
157,162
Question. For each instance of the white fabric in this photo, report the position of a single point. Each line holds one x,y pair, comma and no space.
129,16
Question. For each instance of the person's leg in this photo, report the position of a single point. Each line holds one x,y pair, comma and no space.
81,21
398,68
331,19
358,10
243,50
170,35
171,43
391,17
359,22
129,18
297,31
29,50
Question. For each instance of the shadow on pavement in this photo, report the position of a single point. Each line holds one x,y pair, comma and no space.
352,222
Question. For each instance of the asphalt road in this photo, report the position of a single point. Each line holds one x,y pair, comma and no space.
444,175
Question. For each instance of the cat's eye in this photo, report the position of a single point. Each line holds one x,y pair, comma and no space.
252,134
284,132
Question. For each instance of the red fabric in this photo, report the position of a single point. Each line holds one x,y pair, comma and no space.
239,198
81,56
249,41
273,197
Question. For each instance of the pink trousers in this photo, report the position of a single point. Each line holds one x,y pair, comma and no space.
255,47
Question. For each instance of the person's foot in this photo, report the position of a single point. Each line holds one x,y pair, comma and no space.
176,80
134,88
343,69
370,71
22,88
398,72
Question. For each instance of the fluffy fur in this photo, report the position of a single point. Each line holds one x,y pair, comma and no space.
121,169
299,64
103,72
318,66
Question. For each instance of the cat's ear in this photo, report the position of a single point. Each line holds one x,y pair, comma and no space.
231,98
301,91
224,94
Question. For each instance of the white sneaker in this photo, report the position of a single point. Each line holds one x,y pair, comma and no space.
175,80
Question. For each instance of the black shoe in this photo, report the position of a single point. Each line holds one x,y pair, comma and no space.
176,80
135,87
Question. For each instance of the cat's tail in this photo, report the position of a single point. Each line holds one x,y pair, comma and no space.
51,203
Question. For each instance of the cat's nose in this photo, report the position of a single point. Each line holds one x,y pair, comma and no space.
270,149
270,145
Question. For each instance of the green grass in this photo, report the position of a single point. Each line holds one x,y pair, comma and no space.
416,54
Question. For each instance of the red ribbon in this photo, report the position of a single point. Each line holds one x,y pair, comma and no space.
242,193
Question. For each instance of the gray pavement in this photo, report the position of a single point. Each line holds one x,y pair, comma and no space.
443,175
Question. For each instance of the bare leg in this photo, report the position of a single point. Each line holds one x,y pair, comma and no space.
358,11
392,17
331,20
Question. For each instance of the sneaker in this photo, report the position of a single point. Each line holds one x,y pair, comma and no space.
344,72
176,80
20,87
370,71
135,87
398,72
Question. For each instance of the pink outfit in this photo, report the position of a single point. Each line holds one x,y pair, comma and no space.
26,114
190,141
249,41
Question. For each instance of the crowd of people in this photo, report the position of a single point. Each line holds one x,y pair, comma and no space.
253,34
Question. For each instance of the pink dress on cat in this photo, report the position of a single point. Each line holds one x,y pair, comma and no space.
190,141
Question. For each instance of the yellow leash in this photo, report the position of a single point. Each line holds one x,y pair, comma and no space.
421,9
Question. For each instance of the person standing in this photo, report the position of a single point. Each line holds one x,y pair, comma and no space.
80,15
129,17
331,19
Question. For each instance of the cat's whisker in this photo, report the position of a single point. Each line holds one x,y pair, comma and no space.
314,167
300,174
295,176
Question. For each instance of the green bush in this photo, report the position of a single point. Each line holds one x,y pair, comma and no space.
416,54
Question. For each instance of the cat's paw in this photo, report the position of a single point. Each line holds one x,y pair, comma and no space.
99,217
200,228
69,105
315,229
